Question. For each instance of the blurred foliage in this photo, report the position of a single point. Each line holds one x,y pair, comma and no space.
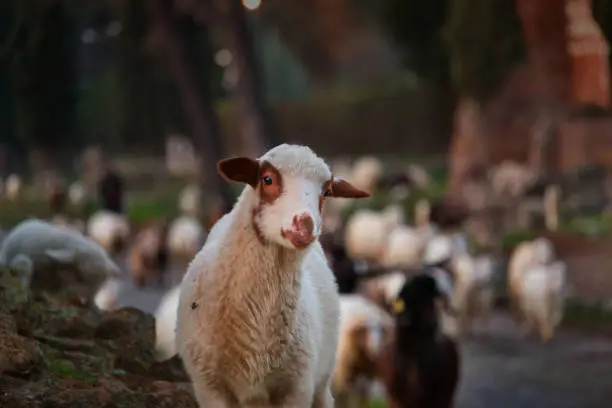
485,41
40,52
417,26
602,11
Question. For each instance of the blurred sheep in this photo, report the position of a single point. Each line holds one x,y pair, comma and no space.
186,235
148,257
190,200
541,297
367,232
109,229
366,173
364,330
12,186
36,248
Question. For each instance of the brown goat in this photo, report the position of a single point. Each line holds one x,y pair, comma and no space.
420,367
149,255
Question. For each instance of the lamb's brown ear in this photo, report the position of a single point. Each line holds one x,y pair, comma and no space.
343,189
239,170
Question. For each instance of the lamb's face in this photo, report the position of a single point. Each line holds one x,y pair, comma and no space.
291,184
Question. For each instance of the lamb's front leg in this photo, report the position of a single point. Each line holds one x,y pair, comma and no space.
323,397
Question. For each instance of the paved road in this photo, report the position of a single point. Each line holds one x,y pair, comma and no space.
501,369
505,370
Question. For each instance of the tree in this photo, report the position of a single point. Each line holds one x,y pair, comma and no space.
417,26
42,68
485,41
195,95
258,130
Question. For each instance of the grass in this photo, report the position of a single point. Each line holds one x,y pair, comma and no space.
375,403
589,315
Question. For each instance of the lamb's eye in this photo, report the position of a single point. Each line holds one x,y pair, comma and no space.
326,193
267,180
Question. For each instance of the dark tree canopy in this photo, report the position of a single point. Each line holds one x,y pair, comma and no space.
485,41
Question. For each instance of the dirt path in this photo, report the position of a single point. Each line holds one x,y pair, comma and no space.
505,370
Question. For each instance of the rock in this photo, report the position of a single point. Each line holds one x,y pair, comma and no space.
169,370
61,352
131,336
17,354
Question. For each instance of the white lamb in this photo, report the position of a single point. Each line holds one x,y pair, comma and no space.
367,232
541,296
109,229
258,311
364,327
186,235
165,324
34,246
540,251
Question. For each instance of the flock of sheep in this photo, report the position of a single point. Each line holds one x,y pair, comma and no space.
281,306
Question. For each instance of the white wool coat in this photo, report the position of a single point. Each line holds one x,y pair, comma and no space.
252,319
34,243
165,324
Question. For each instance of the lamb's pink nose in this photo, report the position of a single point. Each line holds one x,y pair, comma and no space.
301,232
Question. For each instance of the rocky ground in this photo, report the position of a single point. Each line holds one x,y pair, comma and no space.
61,352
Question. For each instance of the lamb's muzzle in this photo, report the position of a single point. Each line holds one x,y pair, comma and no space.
301,234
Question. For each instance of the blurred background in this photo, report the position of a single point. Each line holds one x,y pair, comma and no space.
125,106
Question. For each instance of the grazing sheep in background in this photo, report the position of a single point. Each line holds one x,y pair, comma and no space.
541,297
540,251
258,310
345,269
111,192
364,330
190,200
149,255
35,247
397,184
405,246
382,290
12,186
421,213
77,194
473,290
367,232
510,179
186,235
550,202
419,175
165,324
421,366
449,213
366,172
109,229
106,298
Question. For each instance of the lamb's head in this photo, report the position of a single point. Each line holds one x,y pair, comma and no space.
288,186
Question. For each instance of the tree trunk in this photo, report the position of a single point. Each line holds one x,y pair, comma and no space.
203,120
469,147
258,132
544,23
